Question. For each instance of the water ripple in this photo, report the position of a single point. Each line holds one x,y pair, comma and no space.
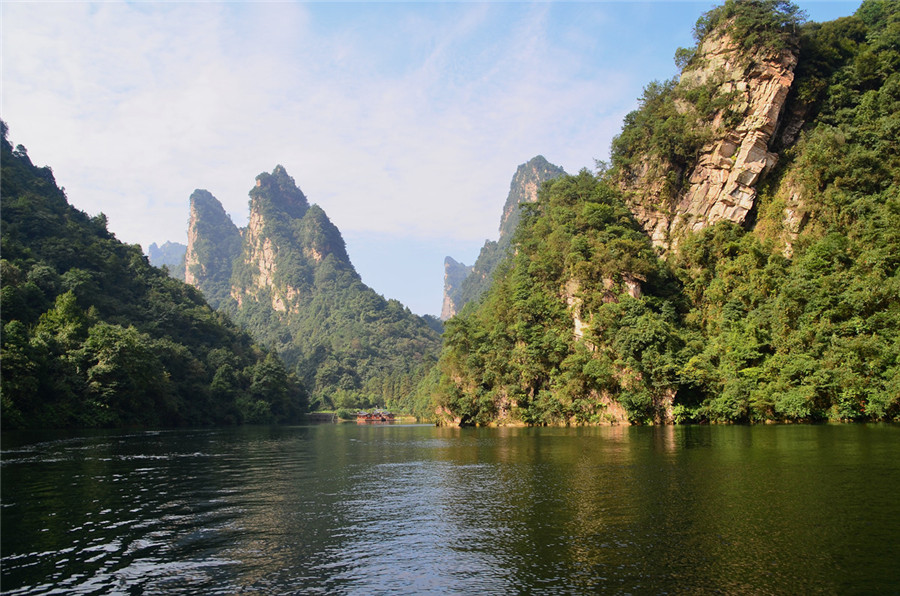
347,510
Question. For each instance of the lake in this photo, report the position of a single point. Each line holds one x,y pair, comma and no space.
377,509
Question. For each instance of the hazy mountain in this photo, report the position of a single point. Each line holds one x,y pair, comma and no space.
170,255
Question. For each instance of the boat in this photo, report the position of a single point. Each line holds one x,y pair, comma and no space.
364,417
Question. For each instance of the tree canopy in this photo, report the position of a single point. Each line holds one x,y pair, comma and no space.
768,321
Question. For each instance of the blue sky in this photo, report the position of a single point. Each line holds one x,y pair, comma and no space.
404,121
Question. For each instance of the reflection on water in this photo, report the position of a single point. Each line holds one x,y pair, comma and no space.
416,509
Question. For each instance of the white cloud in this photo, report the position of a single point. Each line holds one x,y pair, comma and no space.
134,105
401,120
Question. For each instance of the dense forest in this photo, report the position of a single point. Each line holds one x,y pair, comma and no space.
94,336
791,314
289,281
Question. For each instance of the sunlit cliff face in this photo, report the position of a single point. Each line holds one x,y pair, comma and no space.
722,184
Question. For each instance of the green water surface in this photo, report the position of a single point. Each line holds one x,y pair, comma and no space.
347,509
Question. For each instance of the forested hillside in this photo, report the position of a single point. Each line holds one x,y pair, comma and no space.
289,281
94,336
738,259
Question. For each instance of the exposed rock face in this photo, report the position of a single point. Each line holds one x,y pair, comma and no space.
722,183
284,239
794,214
259,255
194,269
213,244
572,296
321,238
523,188
794,221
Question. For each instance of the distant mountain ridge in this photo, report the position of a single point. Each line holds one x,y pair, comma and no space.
170,255
288,279
464,284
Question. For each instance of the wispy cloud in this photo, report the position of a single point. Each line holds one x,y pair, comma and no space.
414,128
401,120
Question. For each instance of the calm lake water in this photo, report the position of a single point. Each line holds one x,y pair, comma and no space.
347,509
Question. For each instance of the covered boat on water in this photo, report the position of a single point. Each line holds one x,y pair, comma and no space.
374,416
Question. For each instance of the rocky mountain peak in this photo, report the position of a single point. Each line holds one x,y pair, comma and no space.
213,243
321,238
285,241
290,281
523,188
277,192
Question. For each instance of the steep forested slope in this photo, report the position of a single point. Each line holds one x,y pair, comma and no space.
93,335
290,282
802,314
767,180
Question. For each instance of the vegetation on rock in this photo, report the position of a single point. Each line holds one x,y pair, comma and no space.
785,309
208,263
522,189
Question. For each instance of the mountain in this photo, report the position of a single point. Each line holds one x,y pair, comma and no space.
94,336
214,242
464,284
738,261
288,279
170,255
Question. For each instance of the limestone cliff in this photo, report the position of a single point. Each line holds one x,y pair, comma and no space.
213,243
720,183
522,189
274,201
